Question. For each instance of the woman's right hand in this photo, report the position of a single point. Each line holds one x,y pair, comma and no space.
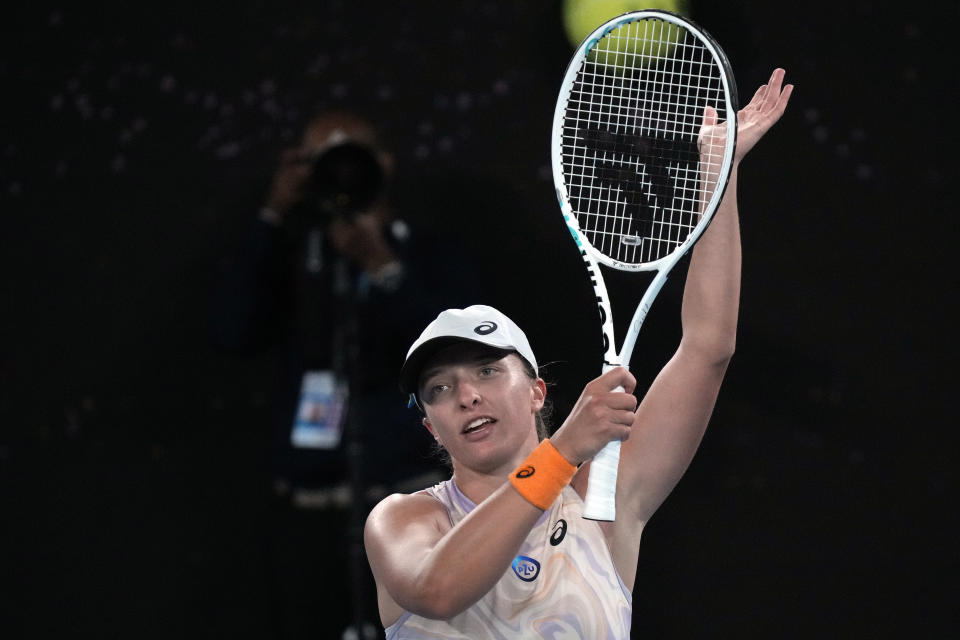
603,413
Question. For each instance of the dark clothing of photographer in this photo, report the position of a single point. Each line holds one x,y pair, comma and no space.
328,265
337,283
284,291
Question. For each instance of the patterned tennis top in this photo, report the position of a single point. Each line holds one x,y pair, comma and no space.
562,583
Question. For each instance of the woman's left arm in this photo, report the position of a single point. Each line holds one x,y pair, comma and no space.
673,415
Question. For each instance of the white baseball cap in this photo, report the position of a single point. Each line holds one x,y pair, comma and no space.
477,323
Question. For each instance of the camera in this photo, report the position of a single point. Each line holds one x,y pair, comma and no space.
345,180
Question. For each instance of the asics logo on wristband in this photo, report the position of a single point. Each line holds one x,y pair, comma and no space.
526,472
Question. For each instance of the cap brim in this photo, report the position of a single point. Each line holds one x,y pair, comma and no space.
410,371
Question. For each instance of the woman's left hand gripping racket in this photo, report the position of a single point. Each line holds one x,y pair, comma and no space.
643,143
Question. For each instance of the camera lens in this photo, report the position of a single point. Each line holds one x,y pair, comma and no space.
347,179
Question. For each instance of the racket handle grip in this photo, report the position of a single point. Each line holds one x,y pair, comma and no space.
601,500
600,503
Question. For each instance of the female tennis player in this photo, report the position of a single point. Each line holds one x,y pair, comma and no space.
501,550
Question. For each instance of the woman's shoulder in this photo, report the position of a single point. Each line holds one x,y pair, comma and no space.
399,510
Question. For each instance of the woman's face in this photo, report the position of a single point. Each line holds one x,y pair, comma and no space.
480,405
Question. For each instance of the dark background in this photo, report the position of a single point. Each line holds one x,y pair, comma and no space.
134,489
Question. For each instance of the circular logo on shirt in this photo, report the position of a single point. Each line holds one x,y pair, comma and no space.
485,328
527,569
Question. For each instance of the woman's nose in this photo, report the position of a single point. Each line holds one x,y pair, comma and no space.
469,394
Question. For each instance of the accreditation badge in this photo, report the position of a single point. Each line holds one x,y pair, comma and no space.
318,423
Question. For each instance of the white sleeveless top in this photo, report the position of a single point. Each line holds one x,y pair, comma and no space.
561,585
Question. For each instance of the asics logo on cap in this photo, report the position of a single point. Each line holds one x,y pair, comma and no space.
485,328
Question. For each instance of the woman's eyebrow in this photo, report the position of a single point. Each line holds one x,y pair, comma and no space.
480,358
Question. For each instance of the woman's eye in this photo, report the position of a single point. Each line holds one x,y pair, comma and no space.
430,392
486,371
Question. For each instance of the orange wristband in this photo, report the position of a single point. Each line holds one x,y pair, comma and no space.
542,476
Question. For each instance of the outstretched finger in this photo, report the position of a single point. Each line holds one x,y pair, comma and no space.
776,99
775,82
709,117
757,100
782,100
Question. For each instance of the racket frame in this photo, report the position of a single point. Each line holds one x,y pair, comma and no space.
600,500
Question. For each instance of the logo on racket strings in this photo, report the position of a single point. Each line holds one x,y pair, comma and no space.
485,328
526,472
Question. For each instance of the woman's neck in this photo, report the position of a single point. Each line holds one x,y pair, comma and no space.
479,485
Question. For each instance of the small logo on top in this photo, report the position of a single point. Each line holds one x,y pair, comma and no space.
527,569
559,532
485,328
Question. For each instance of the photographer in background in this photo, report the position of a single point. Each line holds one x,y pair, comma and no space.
336,279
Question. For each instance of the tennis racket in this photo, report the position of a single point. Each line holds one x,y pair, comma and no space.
643,142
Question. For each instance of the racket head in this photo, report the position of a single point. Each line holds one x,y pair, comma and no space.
633,186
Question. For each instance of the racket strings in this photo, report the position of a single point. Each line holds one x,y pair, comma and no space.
632,164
